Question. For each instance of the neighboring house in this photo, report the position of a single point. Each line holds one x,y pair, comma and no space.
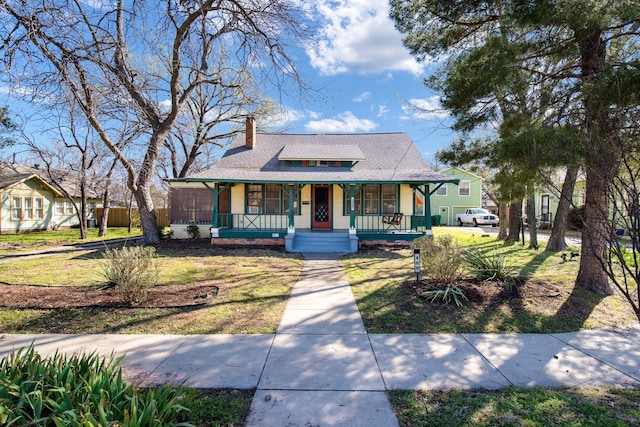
286,189
449,200
31,202
547,197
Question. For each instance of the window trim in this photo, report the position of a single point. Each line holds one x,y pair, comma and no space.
27,205
360,201
15,208
262,207
468,182
38,210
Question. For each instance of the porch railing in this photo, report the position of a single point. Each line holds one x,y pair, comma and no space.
391,223
257,222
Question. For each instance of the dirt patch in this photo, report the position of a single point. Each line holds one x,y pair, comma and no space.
48,297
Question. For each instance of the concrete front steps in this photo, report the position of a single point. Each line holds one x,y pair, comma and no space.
324,241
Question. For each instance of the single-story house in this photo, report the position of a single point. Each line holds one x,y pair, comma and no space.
449,200
299,189
29,201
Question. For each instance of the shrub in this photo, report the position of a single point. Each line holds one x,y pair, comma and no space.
79,390
440,258
132,270
193,231
487,265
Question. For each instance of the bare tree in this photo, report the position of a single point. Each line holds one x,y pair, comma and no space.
143,62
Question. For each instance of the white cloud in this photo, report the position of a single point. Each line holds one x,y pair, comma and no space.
345,122
362,97
284,117
358,35
382,110
425,108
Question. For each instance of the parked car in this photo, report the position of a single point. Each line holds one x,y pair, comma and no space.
477,216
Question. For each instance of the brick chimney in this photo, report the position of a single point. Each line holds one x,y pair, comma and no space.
250,136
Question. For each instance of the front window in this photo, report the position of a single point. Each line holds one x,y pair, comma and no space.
16,208
544,208
28,208
371,199
254,198
68,207
464,189
270,199
442,190
389,199
376,199
59,207
39,208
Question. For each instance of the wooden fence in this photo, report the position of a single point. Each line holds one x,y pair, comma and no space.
119,217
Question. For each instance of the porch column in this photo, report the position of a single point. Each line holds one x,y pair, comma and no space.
427,210
215,209
291,191
352,210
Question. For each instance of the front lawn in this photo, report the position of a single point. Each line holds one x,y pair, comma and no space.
384,285
43,239
253,287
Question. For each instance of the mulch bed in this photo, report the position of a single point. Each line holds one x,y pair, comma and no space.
61,297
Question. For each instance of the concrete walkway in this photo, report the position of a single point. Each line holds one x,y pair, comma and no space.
321,368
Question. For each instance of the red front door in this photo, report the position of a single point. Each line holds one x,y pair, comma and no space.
321,211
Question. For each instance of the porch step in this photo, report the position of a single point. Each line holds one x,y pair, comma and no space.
319,241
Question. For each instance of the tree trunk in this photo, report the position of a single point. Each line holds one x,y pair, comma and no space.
600,163
532,221
502,214
596,233
106,201
556,239
515,221
148,220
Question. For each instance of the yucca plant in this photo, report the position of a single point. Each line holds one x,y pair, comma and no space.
446,294
79,390
490,265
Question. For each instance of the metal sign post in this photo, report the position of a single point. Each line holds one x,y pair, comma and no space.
416,263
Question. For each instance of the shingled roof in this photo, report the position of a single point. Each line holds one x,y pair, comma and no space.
376,157
14,173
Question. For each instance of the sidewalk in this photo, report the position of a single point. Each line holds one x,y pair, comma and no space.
322,368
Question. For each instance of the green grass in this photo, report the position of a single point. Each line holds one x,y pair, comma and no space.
42,239
518,407
383,283
254,285
217,407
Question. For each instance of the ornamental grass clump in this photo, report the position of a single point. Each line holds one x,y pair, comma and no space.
80,390
491,265
440,258
441,264
132,270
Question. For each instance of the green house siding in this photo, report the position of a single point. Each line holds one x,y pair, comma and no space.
448,200
553,194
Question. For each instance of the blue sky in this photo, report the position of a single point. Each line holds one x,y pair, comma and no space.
366,80
362,79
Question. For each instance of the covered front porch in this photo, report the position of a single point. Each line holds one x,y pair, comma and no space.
336,216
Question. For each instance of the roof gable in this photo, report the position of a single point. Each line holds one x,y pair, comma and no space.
15,173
